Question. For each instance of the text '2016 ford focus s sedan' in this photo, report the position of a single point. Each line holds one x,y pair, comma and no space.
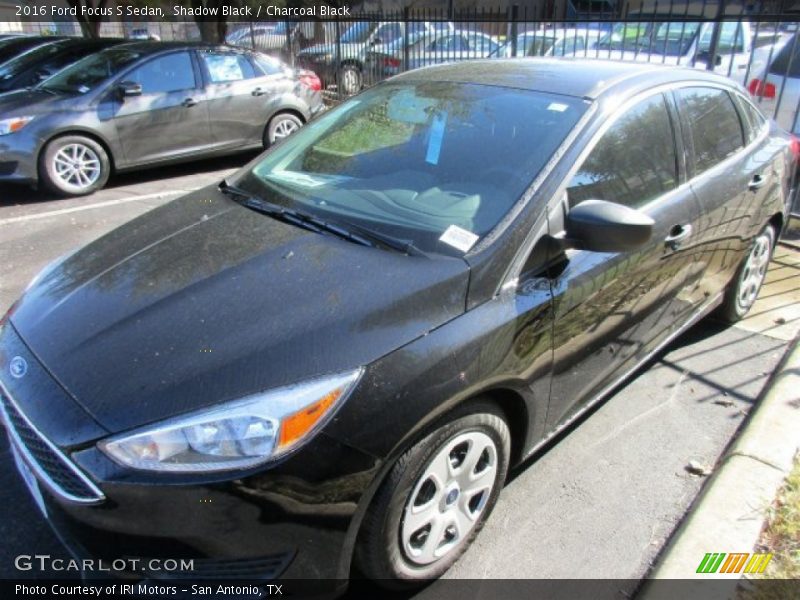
332,358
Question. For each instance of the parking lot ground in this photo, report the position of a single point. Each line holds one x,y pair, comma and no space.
600,502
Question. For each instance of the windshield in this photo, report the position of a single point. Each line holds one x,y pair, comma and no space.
90,72
358,33
416,161
17,65
11,47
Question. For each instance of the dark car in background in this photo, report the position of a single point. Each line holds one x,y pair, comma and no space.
447,46
343,63
147,103
15,45
36,65
337,354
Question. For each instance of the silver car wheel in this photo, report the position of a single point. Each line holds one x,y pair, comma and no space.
77,166
284,128
754,271
449,497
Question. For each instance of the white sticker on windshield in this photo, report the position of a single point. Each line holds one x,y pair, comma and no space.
459,238
558,107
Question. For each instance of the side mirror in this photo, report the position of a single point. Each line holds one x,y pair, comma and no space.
129,88
600,226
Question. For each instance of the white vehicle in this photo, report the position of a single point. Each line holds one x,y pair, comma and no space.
556,42
777,90
685,43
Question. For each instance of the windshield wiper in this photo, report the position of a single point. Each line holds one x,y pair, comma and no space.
349,231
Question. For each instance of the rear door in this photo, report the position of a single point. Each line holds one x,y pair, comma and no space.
613,308
238,93
170,118
729,181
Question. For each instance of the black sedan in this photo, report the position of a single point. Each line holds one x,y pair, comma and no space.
147,103
333,358
13,46
36,65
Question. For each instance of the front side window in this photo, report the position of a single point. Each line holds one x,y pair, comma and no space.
225,67
715,132
165,74
92,71
414,160
634,161
389,33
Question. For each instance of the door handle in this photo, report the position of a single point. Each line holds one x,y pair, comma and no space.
189,102
756,182
677,235
258,92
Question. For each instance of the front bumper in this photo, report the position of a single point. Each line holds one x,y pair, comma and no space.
18,156
295,519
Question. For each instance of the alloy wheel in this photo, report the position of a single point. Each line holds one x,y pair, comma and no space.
284,128
754,271
449,497
77,166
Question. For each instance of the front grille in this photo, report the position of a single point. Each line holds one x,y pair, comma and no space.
54,469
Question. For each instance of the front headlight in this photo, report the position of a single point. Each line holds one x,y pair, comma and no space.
236,435
13,124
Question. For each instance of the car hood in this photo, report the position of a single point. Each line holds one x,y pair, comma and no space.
33,102
202,301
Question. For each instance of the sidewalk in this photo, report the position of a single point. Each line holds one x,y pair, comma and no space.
730,512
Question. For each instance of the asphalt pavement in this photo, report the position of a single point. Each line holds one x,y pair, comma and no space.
599,502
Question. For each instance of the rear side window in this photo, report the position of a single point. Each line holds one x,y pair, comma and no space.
634,161
224,68
715,132
753,120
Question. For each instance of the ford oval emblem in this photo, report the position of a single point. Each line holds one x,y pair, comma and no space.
18,367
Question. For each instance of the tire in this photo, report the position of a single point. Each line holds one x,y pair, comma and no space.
281,126
350,79
391,549
74,165
744,287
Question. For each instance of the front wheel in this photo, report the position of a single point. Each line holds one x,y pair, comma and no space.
435,499
74,165
743,290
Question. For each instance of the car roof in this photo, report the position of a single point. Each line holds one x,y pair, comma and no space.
579,77
147,47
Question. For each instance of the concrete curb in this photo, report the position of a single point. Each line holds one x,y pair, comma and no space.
729,514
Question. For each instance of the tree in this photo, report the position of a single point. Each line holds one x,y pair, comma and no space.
212,28
90,25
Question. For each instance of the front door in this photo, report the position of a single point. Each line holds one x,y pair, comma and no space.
170,118
610,308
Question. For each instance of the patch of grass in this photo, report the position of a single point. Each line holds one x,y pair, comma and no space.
781,535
